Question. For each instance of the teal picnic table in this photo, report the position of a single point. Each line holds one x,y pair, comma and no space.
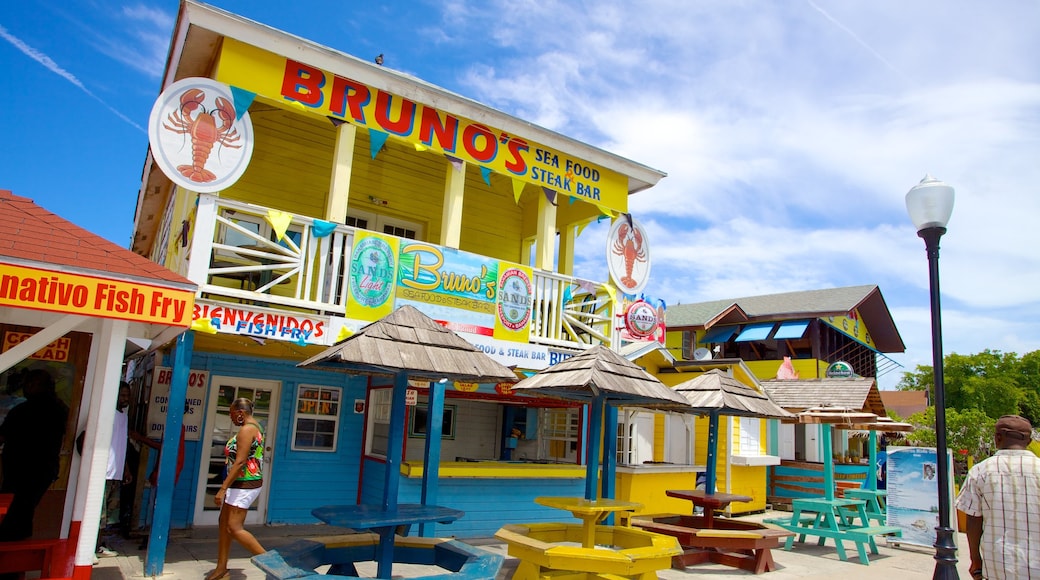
840,519
876,506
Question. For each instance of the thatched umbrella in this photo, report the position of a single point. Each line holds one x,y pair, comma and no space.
600,376
408,344
828,416
715,393
885,425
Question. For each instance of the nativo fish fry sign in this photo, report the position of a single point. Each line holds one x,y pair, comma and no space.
324,93
39,289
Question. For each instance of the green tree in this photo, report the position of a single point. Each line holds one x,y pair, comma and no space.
993,382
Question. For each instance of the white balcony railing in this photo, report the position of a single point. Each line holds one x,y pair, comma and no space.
235,258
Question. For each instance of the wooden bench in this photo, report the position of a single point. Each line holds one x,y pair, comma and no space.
748,548
51,557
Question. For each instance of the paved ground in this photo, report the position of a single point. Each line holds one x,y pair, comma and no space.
191,555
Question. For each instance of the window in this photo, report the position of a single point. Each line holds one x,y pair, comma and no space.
635,438
750,436
385,224
417,423
558,431
679,435
379,421
316,425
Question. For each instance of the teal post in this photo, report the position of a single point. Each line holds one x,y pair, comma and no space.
871,482
160,533
395,442
713,452
828,461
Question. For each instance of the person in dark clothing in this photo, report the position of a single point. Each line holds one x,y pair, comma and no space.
31,436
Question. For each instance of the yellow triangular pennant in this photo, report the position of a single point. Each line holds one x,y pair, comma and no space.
279,221
518,188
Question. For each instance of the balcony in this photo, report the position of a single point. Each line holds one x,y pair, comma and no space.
236,258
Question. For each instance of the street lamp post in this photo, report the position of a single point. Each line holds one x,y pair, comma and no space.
930,204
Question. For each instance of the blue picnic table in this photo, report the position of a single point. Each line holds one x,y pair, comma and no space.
384,521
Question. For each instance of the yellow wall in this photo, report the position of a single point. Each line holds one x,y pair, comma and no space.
648,489
807,368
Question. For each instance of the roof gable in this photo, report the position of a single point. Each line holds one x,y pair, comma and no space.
859,393
31,234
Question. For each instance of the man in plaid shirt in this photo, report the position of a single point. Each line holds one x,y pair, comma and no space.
1001,497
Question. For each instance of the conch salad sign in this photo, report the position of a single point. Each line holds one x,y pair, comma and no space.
324,93
463,291
853,326
90,296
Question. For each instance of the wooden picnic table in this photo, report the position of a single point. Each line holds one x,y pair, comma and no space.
708,501
384,522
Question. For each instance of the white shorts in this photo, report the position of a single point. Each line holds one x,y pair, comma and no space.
241,498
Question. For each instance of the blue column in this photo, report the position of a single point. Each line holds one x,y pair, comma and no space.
610,425
395,442
432,453
595,436
160,533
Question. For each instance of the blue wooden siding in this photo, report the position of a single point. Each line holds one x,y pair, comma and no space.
298,480
488,503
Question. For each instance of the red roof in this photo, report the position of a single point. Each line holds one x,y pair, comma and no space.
29,232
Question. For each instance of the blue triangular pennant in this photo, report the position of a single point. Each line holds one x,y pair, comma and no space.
243,99
376,141
486,174
322,228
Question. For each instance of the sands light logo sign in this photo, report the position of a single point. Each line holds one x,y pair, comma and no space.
514,299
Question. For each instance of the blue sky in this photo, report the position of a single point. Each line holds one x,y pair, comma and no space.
791,131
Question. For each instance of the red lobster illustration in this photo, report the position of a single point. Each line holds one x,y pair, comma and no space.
629,244
203,130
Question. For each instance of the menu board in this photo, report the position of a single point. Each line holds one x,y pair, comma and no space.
913,493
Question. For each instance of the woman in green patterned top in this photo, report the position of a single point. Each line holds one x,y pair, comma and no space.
244,456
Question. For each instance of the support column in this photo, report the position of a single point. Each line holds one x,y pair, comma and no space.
342,164
160,532
568,238
546,251
454,194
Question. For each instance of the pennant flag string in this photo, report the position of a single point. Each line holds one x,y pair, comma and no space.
455,162
376,141
518,188
206,325
335,121
242,99
550,195
322,228
486,174
279,221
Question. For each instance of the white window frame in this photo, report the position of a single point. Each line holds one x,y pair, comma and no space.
335,400
750,437
376,222
379,403
559,424
635,437
680,435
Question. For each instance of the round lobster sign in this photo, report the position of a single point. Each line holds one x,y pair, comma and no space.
628,255
198,139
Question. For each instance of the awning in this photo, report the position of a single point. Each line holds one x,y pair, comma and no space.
720,334
758,331
791,329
